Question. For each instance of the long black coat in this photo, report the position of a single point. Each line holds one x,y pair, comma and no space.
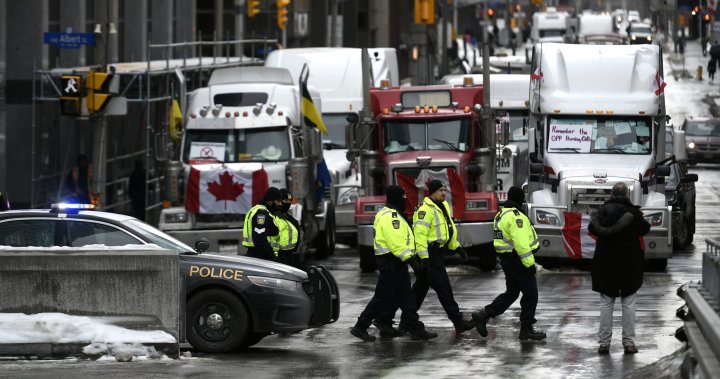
617,267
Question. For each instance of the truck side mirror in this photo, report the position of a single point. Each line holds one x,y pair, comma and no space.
315,144
536,168
679,146
662,171
531,141
504,132
690,178
350,133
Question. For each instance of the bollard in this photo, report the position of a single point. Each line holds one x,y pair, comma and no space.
699,73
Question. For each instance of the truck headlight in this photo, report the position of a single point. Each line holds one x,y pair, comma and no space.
649,38
276,283
372,208
547,218
348,197
633,38
476,205
655,219
176,218
691,145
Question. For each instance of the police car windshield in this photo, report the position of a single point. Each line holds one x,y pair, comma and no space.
599,135
157,237
236,145
451,135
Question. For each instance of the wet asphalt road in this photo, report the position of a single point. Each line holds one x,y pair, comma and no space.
568,311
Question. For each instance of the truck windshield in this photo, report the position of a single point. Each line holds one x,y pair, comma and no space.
703,129
403,135
552,33
335,124
235,145
601,135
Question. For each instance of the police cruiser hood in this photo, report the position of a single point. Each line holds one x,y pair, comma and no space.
250,266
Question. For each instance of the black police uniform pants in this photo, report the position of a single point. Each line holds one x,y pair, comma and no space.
255,253
392,291
517,279
436,278
290,258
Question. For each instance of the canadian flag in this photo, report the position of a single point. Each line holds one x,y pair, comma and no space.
658,84
413,186
578,241
214,190
537,74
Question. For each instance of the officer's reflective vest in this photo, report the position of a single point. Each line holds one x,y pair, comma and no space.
287,237
513,231
393,235
247,227
429,226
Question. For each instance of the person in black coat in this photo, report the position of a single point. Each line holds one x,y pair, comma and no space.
617,266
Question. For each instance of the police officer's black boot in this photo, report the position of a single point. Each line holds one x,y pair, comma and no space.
462,326
530,333
386,329
481,318
422,335
361,333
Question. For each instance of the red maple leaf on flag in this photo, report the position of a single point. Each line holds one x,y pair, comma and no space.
227,189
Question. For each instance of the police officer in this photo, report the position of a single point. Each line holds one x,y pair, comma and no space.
515,242
285,244
260,225
394,246
436,237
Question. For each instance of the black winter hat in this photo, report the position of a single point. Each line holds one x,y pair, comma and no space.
272,194
516,195
286,194
395,194
434,186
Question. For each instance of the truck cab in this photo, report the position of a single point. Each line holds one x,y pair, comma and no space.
597,117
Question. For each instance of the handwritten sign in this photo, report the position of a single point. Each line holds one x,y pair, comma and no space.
570,136
207,150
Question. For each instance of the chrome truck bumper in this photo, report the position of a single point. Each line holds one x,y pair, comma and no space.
658,242
345,219
231,238
469,233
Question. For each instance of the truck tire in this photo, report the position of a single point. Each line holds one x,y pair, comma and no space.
325,242
217,321
488,257
683,235
367,258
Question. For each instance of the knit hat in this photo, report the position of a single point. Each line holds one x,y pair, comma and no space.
272,194
395,195
286,194
435,185
516,195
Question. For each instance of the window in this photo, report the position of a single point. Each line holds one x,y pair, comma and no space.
402,136
703,129
235,145
27,233
602,135
248,99
83,233
335,123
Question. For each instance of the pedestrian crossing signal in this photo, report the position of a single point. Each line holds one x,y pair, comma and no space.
71,93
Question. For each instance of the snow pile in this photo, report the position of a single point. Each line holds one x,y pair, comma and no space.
133,349
62,328
150,246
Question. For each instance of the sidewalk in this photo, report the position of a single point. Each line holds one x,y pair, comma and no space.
685,95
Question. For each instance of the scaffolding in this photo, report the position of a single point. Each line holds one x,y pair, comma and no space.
149,88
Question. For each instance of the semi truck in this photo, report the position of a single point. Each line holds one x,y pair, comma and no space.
597,117
414,134
337,75
243,133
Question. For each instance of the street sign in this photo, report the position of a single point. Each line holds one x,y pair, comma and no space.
69,40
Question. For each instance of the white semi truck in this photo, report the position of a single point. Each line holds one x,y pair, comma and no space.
597,117
336,73
549,26
247,120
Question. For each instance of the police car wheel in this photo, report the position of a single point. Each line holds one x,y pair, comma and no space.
217,321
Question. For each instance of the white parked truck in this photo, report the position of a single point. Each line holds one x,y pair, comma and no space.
336,73
248,122
549,26
597,117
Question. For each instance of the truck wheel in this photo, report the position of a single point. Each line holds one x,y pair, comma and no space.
367,258
217,321
682,237
325,245
488,257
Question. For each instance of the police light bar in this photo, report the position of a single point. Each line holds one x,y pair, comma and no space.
72,206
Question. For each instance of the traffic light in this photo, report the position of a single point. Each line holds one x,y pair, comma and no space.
253,8
707,17
96,82
282,13
70,86
425,12
490,13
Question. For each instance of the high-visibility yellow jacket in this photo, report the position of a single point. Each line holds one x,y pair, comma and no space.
263,227
393,235
287,237
513,232
429,226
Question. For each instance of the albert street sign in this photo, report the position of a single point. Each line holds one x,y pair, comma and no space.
69,40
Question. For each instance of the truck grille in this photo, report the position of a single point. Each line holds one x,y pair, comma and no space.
707,147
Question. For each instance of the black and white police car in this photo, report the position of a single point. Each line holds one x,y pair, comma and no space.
231,302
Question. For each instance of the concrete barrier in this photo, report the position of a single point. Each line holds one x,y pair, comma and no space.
137,289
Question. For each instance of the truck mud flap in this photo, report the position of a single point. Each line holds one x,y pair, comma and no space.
323,291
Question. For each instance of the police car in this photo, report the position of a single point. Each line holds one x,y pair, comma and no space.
231,302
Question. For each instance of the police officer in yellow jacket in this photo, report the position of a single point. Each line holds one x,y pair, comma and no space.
260,225
285,244
515,242
394,246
